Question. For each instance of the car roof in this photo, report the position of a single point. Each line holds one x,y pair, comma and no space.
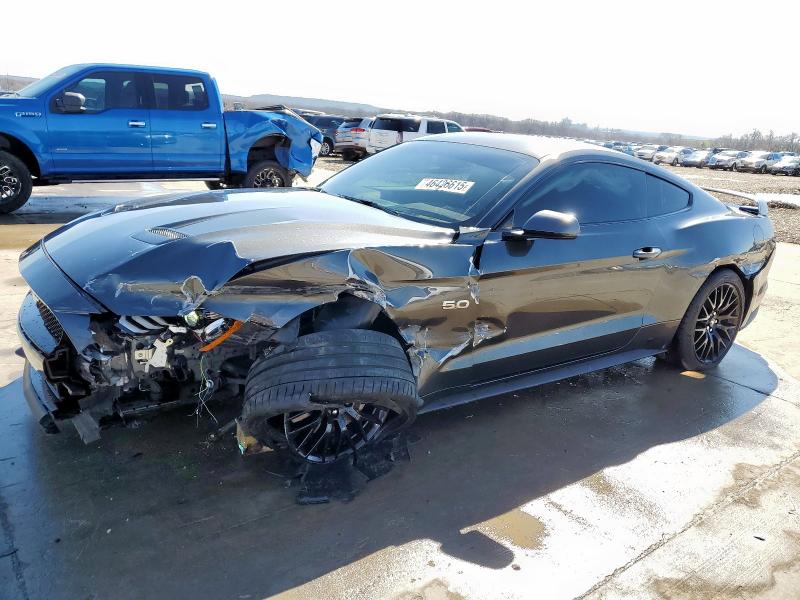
532,145
145,68
406,116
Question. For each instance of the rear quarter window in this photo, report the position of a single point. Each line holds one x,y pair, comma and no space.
664,198
178,92
403,125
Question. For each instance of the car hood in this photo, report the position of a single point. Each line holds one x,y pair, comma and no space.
158,256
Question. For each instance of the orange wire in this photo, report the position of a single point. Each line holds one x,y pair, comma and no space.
231,330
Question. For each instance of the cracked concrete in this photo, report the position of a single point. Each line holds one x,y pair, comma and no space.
634,482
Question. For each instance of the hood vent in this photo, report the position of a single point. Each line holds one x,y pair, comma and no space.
167,233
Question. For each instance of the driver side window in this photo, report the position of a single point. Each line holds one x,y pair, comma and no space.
98,92
593,192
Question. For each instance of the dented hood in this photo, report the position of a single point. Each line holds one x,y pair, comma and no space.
160,256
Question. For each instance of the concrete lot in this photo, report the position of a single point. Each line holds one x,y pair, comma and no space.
634,482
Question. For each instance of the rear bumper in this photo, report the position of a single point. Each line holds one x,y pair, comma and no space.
759,284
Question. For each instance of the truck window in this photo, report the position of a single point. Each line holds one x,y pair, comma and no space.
103,91
435,126
453,127
179,92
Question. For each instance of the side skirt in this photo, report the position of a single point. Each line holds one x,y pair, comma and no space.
641,346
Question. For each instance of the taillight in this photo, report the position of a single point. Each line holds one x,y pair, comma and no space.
358,130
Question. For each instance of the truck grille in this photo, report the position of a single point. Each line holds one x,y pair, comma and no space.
50,321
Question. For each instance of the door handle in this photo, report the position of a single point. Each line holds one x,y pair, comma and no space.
209,125
137,124
646,252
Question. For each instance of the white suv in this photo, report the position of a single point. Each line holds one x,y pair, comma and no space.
391,129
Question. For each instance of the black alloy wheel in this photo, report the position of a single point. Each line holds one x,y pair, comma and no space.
717,323
10,185
326,435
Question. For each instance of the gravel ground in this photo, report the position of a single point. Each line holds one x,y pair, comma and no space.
785,220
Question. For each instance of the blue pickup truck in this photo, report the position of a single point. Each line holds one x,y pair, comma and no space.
119,122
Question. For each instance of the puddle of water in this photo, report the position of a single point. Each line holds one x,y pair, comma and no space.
18,236
516,526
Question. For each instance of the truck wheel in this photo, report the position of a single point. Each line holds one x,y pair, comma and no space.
15,183
267,174
329,394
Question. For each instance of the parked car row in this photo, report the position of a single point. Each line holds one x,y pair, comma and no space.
357,137
754,161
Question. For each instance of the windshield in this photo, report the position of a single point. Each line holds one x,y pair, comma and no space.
757,154
440,183
35,89
729,153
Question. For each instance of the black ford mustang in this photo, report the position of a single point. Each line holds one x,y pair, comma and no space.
437,272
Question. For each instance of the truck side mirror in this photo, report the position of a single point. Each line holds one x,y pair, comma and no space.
71,102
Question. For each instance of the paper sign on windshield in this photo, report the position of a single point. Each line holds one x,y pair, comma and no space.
456,186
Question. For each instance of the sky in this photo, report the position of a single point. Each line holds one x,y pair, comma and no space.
695,67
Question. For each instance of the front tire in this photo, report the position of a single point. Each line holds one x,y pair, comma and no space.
709,327
267,174
16,183
328,394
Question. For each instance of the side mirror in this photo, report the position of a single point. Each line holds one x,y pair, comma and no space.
71,102
547,224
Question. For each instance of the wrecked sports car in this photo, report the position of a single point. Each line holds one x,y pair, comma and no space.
437,272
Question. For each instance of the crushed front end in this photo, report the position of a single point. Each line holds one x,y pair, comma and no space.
93,368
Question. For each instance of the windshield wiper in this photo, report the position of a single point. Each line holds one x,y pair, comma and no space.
370,203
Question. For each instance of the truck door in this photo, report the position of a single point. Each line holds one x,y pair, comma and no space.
98,125
187,129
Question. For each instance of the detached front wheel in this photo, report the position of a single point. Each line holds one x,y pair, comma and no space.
267,174
16,183
329,394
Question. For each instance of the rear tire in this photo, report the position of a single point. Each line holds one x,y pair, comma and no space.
708,329
328,394
327,147
267,174
16,183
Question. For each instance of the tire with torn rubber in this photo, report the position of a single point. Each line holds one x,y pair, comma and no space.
267,174
712,321
16,183
327,394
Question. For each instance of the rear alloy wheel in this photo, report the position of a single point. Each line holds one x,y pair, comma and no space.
267,174
327,147
763,169
16,183
674,162
734,167
328,394
709,327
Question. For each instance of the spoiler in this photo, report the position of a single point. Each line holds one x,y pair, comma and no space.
761,208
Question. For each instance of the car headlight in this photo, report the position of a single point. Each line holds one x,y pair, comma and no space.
315,147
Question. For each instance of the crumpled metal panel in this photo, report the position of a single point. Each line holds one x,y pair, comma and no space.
245,128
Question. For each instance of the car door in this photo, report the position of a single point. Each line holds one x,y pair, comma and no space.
187,132
98,124
560,300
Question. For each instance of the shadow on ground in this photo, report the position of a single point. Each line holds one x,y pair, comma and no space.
154,512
